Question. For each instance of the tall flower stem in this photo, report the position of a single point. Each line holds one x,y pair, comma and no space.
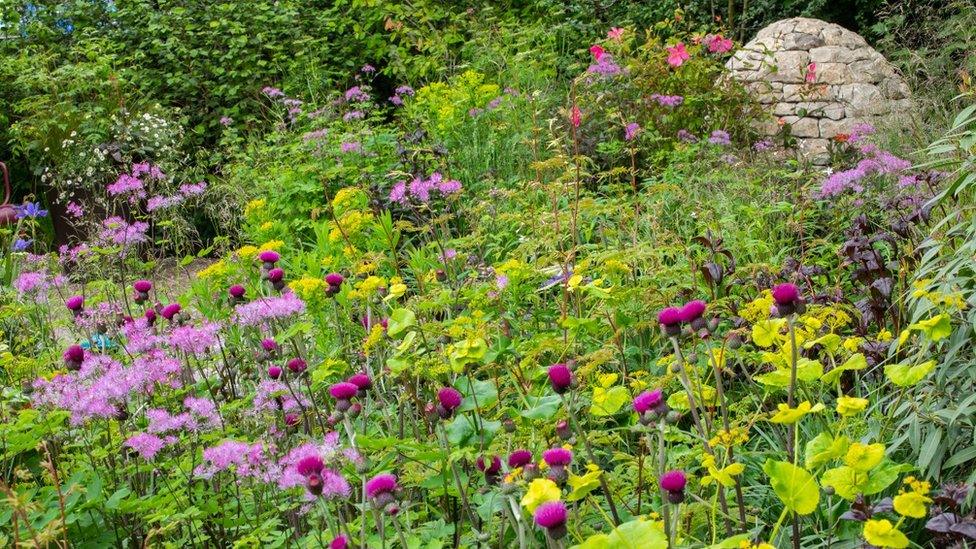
457,479
791,443
720,393
516,516
592,458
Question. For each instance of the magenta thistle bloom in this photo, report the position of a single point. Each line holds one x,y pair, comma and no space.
343,390
693,310
489,467
631,131
274,372
269,256
339,543
449,398
380,485
75,303
264,309
560,377
669,316
269,345
673,482
170,311
276,274
360,380
557,457
786,293
236,291
297,365
551,514
310,464
648,400
74,356
334,279
519,458
142,286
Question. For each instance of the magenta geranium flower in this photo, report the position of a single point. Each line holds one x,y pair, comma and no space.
677,54
560,377
557,457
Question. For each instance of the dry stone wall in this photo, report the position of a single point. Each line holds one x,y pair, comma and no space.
819,78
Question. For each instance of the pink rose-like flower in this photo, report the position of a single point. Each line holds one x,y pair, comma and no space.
677,54
811,74
575,116
718,44
615,34
597,51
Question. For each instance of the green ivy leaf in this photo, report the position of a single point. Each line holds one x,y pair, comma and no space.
904,375
795,487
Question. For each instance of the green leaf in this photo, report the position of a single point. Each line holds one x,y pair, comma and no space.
855,362
824,448
484,392
542,407
400,320
904,375
846,482
935,328
882,476
764,333
636,534
583,485
795,487
607,402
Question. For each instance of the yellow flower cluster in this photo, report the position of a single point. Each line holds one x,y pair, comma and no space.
255,206
275,245
216,270
735,436
367,287
757,309
375,336
911,502
953,300
307,286
350,225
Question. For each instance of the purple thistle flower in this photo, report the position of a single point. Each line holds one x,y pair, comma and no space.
381,484
648,400
673,482
557,457
519,458
75,303
297,365
720,137
450,398
343,390
560,377
551,515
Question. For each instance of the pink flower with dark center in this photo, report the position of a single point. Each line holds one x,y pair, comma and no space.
343,390
381,484
560,377
677,54
555,457
648,400
519,458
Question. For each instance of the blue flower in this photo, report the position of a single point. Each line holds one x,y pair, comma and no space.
21,244
31,209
